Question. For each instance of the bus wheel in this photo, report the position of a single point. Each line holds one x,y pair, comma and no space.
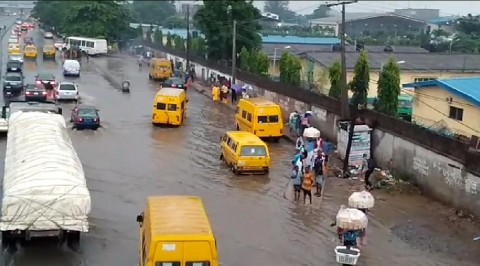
238,128
221,156
73,241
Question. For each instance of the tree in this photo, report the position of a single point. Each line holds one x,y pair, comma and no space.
258,62
320,12
110,19
244,58
335,76
388,89
169,41
361,80
158,36
214,20
178,43
198,46
279,8
153,12
290,68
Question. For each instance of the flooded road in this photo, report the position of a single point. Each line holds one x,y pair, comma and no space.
128,160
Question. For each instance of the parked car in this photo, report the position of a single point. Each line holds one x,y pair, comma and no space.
45,78
16,57
71,68
174,82
67,91
13,83
85,117
14,66
35,93
48,35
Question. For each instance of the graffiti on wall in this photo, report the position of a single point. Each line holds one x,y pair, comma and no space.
420,165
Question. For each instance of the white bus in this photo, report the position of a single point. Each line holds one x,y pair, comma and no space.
90,45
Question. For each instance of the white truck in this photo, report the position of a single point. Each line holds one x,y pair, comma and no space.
45,193
14,106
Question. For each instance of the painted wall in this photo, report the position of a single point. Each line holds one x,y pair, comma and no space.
437,175
430,106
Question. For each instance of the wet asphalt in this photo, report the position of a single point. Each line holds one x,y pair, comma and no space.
128,160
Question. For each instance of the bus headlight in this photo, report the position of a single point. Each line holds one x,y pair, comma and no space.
241,163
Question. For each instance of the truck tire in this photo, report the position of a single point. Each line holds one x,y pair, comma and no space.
73,241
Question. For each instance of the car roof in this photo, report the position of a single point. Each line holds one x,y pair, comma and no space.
67,83
45,73
13,74
14,61
85,106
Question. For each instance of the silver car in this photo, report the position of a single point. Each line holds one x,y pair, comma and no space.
67,91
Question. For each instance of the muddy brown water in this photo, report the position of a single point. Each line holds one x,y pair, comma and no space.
128,160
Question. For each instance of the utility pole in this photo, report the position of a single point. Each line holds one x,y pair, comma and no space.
345,110
188,39
234,52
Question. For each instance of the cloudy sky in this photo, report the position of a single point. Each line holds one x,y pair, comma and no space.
447,8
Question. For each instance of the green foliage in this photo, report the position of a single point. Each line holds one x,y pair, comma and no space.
87,18
214,20
158,37
279,8
388,89
290,69
320,12
153,12
335,76
179,43
244,58
169,43
255,61
361,80
197,46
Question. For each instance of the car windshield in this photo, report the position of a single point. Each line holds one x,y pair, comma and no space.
13,78
45,76
174,81
48,48
248,151
30,49
404,104
67,87
14,64
87,112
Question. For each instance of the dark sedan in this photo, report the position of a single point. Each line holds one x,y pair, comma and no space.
35,93
174,83
85,117
14,66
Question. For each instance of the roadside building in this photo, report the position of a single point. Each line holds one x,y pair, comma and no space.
416,65
448,105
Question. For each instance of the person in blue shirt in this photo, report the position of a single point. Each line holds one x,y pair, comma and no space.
296,176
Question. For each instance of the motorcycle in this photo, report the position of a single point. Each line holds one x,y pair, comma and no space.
126,86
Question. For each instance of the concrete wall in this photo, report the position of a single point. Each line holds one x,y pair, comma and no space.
437,175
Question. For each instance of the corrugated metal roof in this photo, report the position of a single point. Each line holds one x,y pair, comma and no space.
467,88
274,39
421,62
443,20
359,16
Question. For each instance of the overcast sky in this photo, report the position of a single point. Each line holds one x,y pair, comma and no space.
447,8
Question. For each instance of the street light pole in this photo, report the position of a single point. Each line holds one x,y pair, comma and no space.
187,69
345,110
234,51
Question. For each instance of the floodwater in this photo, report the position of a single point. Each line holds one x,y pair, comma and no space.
128,160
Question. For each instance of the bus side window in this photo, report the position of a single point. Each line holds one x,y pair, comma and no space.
249,117
244,114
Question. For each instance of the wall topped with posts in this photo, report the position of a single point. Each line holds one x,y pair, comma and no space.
444,168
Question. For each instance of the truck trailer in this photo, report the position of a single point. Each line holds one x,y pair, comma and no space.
45,193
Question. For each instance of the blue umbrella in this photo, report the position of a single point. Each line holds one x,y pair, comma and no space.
238,88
